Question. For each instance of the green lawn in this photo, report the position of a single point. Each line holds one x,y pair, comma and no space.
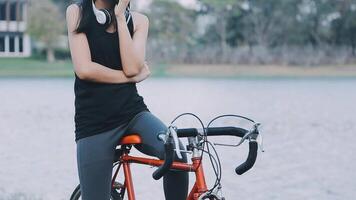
31,67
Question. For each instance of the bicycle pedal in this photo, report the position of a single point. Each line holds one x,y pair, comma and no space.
118,185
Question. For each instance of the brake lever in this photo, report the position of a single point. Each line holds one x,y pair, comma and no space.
173,133
251,135
260,143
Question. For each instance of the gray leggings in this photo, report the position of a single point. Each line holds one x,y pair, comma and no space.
95,156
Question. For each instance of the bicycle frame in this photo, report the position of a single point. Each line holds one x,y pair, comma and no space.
196,144
125,160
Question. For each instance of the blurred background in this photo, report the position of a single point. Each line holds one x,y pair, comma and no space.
289,64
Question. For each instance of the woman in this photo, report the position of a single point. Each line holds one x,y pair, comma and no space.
108,54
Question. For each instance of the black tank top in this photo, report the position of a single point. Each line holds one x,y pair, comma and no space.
100,107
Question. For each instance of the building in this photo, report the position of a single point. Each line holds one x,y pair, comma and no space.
14,42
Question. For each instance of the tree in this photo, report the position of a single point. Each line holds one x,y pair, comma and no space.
343,28
172,28
265,23
220,10
46,24
63,4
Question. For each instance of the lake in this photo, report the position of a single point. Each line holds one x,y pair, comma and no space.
309,128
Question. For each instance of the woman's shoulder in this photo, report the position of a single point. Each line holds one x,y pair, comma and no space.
139,15
72,16
73,9
140,19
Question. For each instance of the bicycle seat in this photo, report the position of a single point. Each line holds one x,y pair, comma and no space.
132,138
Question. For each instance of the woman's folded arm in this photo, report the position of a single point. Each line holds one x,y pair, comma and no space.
81,57
133,49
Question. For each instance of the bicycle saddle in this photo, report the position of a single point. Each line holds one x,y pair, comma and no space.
132,138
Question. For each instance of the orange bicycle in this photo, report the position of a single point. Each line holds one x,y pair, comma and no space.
198,144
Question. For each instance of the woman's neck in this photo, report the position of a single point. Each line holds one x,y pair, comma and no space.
102,4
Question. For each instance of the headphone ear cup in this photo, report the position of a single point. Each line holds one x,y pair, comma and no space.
107,16
101,17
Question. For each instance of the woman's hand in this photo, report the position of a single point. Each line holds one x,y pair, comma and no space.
144,74
120,9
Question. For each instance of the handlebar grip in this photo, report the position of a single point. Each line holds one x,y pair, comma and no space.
251,159
168,160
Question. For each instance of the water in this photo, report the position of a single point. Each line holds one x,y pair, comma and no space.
308,127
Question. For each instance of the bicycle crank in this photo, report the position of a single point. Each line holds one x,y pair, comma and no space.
210,196
118,191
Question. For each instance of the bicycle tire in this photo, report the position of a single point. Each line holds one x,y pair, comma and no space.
77,194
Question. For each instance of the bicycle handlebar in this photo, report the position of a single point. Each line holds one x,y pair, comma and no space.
213,131
168,158
251,159
230,131
171,135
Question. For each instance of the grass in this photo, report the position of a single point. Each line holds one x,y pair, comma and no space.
263,71
31,67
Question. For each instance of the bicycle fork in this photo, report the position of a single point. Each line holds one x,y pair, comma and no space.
200,183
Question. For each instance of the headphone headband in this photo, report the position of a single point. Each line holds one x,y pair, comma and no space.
103,16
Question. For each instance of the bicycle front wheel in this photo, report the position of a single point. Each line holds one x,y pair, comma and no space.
76,195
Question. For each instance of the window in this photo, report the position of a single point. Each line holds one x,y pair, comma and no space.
13,13
21,44
2,44
21,7
12,44
3,11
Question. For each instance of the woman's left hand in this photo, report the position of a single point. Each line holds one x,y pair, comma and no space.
144,74
120,8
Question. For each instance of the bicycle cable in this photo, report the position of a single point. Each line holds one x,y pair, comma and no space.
217,170
214,160
203,128
219,175
217,165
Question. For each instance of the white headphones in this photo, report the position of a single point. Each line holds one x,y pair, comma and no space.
104,17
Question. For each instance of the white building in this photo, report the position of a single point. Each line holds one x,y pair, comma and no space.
14,42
